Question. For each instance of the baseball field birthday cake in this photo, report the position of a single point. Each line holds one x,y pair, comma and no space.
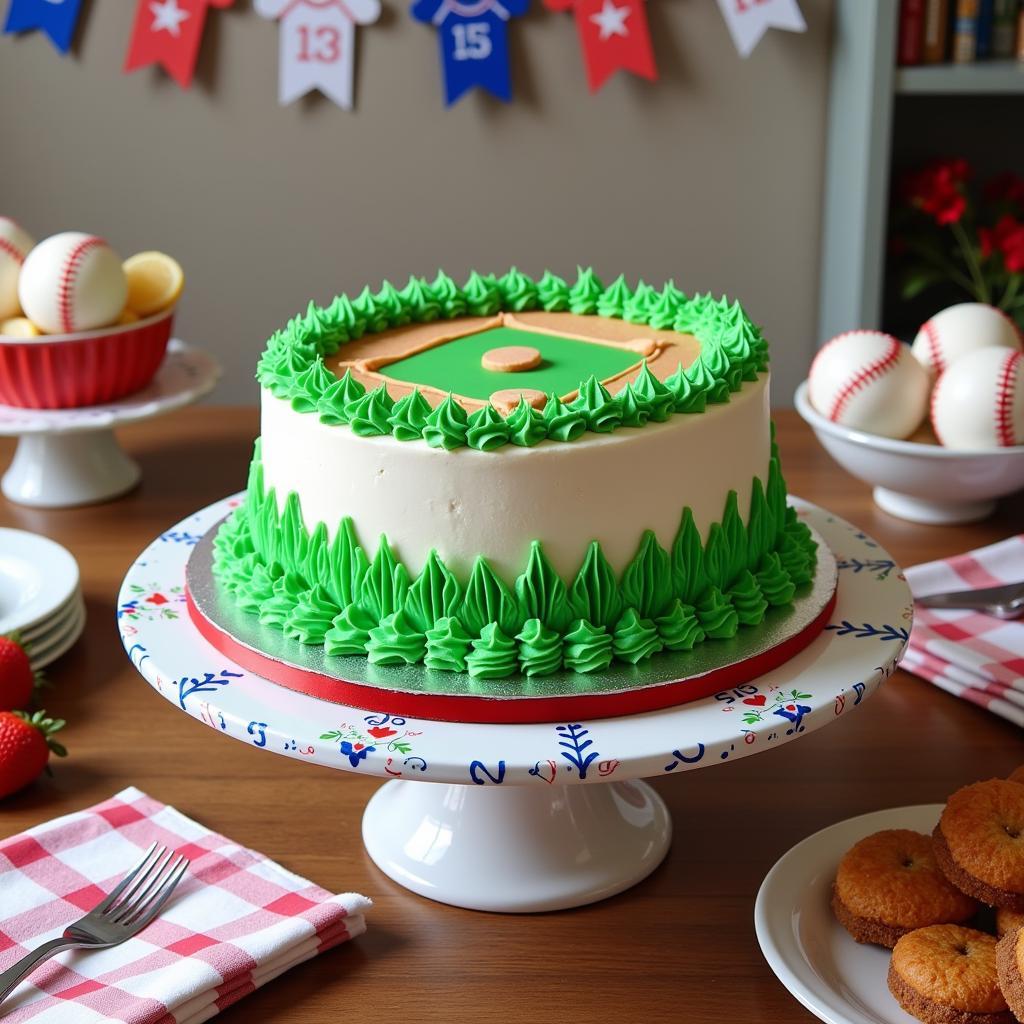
514,478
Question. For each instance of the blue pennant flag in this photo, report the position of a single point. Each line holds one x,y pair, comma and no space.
473,38
57,18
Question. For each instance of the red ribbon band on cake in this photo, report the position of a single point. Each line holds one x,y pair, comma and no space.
505,710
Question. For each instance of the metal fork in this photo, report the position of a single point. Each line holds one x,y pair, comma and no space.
1006,602
135,901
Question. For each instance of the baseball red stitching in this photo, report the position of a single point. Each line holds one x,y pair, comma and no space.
931,409
67,279
12,250
933,346
1004,399
870,372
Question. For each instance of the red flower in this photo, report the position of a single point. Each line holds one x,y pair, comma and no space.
938,190
156,599
1006,238
1007,187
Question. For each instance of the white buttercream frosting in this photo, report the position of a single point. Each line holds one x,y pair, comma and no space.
464,503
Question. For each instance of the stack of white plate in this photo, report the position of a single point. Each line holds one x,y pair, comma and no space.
40,597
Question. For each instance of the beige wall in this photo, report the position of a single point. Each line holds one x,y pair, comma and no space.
713,175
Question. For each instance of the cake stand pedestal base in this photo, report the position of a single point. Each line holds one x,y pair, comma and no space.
517,849
60,470
932,513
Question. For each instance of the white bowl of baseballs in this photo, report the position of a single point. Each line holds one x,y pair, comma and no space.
937,427
77,325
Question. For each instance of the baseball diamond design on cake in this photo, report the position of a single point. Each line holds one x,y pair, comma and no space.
557,477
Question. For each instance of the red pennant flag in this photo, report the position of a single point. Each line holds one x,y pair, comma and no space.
168,33
614,36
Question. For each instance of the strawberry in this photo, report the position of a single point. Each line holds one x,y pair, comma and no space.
17,680
26,742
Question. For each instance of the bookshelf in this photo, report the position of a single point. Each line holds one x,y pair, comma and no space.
865,86
996,77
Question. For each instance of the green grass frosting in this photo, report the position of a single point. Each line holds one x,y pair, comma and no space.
330,592
733,350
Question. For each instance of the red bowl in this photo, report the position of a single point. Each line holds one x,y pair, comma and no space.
66,371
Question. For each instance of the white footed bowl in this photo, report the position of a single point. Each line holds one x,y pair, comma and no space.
924,483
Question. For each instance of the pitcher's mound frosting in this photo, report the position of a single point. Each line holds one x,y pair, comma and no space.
514,477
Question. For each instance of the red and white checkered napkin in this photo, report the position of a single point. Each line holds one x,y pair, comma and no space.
236,921
974,656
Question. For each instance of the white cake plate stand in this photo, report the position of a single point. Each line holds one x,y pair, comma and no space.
68,457
525,817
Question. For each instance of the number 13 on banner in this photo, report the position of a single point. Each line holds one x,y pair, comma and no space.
748,20
473,39
317,45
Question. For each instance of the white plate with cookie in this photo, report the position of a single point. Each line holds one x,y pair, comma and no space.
837,979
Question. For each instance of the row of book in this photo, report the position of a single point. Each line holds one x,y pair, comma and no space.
960,31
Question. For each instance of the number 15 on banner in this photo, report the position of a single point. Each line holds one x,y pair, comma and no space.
317,45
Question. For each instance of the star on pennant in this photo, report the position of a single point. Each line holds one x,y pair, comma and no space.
611,20
168,16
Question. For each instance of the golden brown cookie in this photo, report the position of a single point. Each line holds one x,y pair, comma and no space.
979,842
888,884
1008,921
1009,966
946,974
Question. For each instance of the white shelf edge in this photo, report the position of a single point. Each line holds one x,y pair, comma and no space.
991,77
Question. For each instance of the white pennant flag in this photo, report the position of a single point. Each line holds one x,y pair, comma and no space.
748,20
317,45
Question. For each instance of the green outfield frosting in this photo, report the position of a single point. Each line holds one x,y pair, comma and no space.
540,649
553,293
679,628
518,292
733,350
326,591
349,633
446,426
312,616
449,296
396,641
564,422
409,416
526,426
336,403
493,654
717,616
635,639
447,646
487,429
587,648
371,414
567,362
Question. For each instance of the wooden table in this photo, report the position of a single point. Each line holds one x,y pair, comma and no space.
678,947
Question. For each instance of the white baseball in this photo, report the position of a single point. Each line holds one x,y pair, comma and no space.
979,401
869,381
15,243
960,329
72,282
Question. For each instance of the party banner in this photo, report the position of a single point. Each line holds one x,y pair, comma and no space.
748,20
56,18
317,45
168,33
473,40
614,37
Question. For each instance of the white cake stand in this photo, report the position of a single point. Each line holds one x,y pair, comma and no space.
69,457
525,817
